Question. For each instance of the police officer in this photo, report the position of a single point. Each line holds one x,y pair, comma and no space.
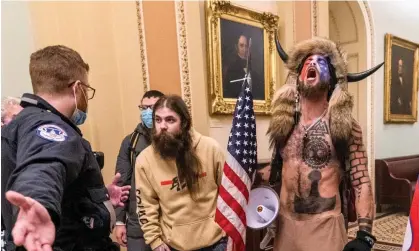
55,187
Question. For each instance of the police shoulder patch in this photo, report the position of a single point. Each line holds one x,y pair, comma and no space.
51,132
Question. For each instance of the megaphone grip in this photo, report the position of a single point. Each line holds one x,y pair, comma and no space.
268,237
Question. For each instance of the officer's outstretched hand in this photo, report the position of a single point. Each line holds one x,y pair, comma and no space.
118,195
34,228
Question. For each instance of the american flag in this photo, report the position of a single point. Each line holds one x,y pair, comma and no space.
241,161
411,237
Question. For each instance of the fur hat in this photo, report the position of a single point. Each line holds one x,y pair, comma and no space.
284,102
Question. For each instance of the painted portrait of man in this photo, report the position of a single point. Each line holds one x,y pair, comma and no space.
242,51
401,87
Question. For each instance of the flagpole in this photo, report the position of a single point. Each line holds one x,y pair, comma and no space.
239,167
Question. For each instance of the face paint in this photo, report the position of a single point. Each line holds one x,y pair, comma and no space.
315,69
314,77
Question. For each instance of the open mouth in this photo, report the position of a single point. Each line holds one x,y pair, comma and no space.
311,74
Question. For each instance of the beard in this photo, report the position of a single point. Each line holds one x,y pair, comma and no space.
179,147
312,91
168,145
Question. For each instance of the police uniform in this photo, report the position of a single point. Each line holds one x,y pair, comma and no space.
45,157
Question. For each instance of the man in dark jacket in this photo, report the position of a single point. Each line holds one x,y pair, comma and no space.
127,230
56,197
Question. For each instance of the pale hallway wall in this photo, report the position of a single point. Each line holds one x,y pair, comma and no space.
16,46
400,19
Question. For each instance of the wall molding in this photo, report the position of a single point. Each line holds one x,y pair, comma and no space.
356,26
183,54
356,57
143,46
370,35
333,19
294,35
314,18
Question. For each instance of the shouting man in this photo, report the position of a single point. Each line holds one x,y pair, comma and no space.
177,180
313,135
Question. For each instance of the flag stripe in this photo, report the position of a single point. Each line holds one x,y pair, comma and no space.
230,244
232,176
233,190
234,205
232,230
230,216
239,171
235,180
411,238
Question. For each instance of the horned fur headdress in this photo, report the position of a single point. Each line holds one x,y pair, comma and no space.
284,109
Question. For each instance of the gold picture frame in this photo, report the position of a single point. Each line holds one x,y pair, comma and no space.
223,21
401,80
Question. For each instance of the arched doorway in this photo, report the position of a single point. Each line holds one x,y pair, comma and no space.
350,24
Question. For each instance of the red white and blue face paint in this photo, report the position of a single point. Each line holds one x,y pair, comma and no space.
315,70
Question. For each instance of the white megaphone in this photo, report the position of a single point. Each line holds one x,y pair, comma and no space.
262,210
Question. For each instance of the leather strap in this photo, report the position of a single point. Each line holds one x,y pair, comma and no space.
111,210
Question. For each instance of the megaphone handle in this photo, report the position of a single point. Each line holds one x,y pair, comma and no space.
268,236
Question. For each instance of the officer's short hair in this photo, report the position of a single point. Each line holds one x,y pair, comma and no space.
53,68
152,94
6,103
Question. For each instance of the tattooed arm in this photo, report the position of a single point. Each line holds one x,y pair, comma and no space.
360,179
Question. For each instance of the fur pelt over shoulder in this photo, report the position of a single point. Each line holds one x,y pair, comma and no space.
340,103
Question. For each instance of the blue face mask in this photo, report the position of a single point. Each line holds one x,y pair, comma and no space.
79,116
147,117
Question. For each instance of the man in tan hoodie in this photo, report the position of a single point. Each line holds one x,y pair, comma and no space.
177,181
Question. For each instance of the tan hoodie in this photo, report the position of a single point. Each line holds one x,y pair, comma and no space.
166,210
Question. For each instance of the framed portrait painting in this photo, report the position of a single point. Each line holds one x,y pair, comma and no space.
239,41
401,80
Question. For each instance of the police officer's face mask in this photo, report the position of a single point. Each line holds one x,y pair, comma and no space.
79,116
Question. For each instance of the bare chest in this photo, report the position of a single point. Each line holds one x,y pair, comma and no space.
311,170
311,146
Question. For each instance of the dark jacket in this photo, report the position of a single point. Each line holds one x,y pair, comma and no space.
45,157
124,166
235,70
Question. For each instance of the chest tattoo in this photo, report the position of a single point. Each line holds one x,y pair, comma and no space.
316,152
314,203
311,145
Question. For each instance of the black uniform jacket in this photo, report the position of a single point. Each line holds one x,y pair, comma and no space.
124,166
43,156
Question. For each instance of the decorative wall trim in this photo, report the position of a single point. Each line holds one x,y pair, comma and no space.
334,23
356,57
369,26
314,19
183,54
143,47
294,35
356,26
